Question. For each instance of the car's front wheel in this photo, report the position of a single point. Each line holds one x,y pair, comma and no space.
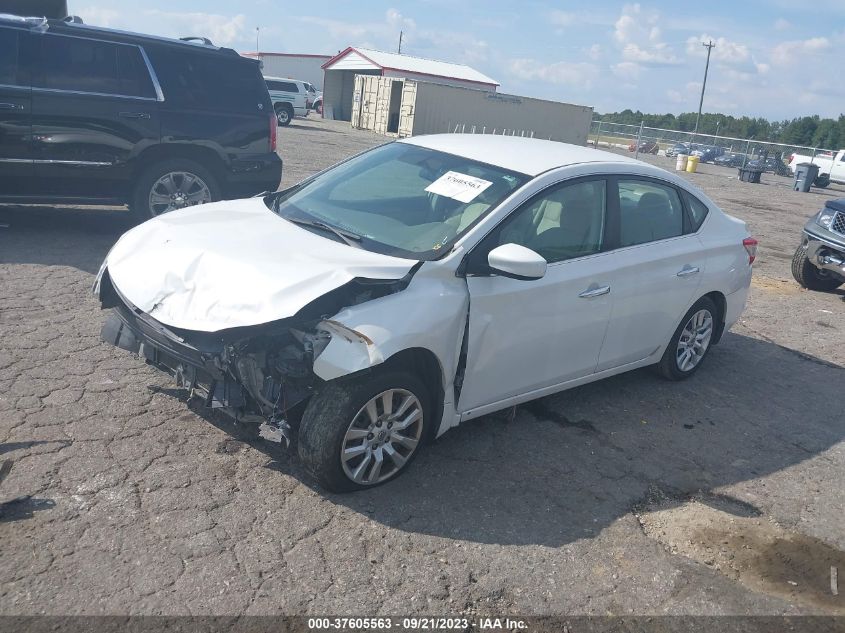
172,184
691,341
361,432
810,277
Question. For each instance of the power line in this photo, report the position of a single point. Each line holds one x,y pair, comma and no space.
710,46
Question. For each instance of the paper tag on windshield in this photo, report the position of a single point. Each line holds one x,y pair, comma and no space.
458,186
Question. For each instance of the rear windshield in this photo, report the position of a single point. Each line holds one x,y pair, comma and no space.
206,81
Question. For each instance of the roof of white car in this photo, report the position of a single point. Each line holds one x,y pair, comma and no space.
530,156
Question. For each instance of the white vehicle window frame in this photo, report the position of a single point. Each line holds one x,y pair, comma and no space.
475,263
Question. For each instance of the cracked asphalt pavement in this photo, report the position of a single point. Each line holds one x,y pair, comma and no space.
120,497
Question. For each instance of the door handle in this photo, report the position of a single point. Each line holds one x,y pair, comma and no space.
687,271
594,292
134,115
11,106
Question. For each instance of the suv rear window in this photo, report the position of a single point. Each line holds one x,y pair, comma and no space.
207,81
282,86
8,57
83,65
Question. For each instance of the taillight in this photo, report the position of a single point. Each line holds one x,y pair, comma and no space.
750,245
274,124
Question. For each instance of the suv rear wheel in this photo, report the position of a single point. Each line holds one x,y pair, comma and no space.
284,113
171,184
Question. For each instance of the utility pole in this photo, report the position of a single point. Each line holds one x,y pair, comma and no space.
709,45
400,42
257,50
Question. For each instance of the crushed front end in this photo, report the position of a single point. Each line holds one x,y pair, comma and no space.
259,373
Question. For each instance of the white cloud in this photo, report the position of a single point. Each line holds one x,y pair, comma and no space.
561,18
580,74
640,39
626,70
397,20
220,29
781,24
790,53
594,52
726,51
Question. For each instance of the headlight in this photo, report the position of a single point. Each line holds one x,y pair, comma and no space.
824,218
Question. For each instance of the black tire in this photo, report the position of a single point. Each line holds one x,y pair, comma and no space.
331,411
284,114
821,181
668,365
810,277
140,201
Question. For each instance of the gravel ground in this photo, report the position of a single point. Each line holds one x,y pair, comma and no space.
124,499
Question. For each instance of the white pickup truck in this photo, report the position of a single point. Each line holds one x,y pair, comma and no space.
831,166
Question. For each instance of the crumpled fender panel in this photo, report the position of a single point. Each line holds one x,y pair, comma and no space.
234,264
430,314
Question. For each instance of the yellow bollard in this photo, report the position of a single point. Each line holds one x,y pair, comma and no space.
692,164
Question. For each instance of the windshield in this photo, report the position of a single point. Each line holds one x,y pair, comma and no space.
401,199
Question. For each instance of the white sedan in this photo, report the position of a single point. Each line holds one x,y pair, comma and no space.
424,283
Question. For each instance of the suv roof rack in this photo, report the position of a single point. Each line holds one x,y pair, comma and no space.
30,21
195,38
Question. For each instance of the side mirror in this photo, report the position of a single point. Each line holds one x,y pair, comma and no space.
516,262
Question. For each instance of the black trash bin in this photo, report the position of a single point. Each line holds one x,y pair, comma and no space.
750,174
805,174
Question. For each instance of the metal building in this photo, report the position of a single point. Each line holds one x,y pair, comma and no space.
409,107
293,66
340,72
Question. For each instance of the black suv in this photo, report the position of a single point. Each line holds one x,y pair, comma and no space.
97,116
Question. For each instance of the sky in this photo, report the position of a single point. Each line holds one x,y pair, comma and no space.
776,58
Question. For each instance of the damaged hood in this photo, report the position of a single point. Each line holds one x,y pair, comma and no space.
233,264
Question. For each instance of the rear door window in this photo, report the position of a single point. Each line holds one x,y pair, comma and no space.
208,81
698,212
648,211
9,57
282,86
82,65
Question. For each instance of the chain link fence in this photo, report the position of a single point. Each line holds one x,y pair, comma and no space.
712,148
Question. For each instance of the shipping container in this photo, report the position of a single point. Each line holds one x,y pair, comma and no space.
408,107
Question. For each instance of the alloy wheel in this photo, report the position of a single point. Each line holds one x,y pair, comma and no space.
176,190
694,340
382,437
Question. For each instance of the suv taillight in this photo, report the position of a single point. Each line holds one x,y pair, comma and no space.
750,245
274,124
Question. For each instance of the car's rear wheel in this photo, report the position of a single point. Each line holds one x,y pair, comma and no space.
284,114
364,431
173,184
690,343
809,276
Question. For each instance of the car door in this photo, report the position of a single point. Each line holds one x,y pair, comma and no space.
659,266
94,108
16,168
527,335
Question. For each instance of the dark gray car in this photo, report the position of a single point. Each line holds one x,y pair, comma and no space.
819,262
